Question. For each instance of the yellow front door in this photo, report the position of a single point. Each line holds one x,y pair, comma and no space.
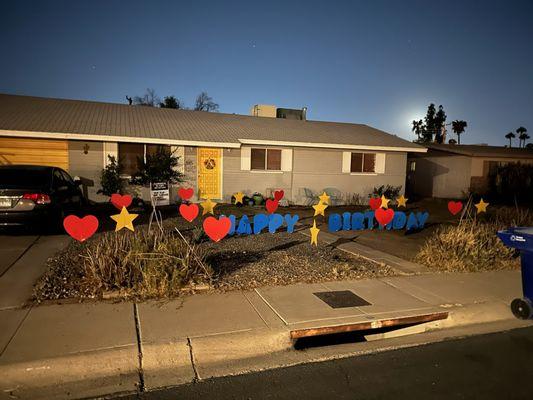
209,173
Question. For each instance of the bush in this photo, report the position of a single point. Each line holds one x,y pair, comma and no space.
473,245
512,183
137,264
110,178
158,167
389,191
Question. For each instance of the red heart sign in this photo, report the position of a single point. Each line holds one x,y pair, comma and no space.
189,211
454,207
271,205
217,229
384,216
278,195
80,229
121,201
185,194
375,203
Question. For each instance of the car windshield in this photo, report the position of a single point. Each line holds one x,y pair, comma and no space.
24,178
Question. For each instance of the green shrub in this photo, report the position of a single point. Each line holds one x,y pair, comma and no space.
158,167
389,191
512,183
110,178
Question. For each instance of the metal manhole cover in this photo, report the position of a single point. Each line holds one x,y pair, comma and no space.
341,299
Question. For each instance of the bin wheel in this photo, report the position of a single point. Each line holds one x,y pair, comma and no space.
522,308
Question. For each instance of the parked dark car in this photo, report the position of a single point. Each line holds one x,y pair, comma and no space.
37,196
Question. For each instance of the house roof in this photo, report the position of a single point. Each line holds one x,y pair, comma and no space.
473,150
88,120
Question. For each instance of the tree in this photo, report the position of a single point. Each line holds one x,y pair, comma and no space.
418,128
510,136
205,103
521,136
171,102
525,137
149,99
458,127
427,134
110,178
158,167
440,120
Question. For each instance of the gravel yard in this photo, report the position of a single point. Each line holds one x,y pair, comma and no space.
248,262
144,265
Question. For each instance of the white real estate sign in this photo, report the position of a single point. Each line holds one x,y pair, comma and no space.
159,193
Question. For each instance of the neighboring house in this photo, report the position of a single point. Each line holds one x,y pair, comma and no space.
221,153
452,170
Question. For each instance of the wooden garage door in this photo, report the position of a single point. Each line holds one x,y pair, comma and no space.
34,152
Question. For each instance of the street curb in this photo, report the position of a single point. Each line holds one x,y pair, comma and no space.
186,360
88,374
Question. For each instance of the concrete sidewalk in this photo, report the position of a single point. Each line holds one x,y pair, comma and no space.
92,349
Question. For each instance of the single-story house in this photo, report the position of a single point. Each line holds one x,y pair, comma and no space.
220,154
452,170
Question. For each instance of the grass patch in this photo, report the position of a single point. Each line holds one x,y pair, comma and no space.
472,245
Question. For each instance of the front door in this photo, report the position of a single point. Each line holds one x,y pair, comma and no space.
209,173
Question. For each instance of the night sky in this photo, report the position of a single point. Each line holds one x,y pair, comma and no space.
373,62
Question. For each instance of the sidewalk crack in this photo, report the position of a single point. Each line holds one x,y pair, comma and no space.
193,363
141,387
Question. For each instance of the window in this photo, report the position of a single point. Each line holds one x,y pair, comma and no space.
363,162
152,149
266,159
130,153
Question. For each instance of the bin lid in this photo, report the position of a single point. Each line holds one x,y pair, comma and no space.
524,230
520,238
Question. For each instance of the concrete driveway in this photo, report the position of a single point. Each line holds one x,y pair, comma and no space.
22,262
12,248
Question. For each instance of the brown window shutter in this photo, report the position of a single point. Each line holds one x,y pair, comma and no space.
369,162
258,158
357,162
274,159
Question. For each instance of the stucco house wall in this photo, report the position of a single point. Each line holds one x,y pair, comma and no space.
317,169
446,176
235,179
87,166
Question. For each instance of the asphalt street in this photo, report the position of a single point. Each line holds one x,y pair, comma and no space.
493,366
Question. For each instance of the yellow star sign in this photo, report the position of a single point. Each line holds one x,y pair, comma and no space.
124,220
319,209
208,206
314,234
481,206
384,201
238,197
324,198
400,201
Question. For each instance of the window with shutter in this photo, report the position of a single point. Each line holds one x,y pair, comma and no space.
363,162
266,159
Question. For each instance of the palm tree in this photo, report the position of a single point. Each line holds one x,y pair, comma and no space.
510,136
525,137
418,128
458,127
521,135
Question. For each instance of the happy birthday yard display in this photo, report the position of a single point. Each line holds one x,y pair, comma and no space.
379,211
380,215
454,207
80,229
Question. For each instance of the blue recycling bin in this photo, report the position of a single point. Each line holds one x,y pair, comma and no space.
521,238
